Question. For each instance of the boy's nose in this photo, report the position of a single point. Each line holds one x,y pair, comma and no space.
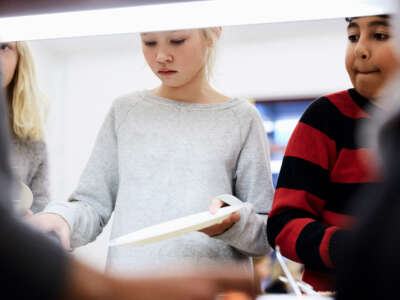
362,51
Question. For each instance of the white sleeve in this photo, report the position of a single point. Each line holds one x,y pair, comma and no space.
90,207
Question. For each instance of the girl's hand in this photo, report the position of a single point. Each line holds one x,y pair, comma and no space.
225,224
52,222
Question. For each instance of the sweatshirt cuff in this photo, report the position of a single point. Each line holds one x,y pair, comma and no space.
233,233
64,209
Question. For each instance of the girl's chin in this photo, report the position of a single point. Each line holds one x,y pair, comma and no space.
170,84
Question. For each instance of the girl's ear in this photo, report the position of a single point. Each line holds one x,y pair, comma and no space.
217,33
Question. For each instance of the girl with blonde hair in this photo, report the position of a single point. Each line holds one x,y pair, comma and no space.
178,149
27,110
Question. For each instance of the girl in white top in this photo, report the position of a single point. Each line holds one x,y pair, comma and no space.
176,150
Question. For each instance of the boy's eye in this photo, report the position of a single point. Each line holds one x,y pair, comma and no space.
178,42
150,44
353,38
381,36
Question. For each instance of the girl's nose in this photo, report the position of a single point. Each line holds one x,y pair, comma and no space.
164,57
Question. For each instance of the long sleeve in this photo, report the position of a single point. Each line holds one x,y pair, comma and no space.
253,186
295,222
91,205
40,182
325,166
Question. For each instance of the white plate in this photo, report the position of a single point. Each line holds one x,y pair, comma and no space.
174,227
24,200
291,297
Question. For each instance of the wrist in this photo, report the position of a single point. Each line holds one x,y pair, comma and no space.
60,221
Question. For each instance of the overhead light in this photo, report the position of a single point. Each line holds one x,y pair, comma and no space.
181,15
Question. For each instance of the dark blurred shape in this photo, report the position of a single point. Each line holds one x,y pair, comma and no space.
276,287
370,263
31,266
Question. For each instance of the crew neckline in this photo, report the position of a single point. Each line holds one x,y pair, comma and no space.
364,103
147,95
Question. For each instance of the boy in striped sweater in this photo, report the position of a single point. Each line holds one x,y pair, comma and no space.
325,164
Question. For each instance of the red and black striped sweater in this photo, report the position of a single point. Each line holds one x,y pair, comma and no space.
323,167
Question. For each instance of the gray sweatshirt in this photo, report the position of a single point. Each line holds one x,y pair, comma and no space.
157,159
29,162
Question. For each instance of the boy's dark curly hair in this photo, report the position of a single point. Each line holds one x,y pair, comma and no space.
349,19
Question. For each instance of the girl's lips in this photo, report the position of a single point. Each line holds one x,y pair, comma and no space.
168,72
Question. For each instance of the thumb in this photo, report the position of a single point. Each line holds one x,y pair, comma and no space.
215,205
64,236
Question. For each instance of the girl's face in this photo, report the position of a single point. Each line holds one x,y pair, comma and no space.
370,56
176,57
9,60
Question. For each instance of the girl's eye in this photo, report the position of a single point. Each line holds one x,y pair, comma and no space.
150,44
178,42
353,38
4,47
381,36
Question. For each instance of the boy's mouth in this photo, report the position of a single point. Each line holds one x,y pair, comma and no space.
366,72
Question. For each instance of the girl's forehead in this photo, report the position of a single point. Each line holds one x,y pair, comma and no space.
166,33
